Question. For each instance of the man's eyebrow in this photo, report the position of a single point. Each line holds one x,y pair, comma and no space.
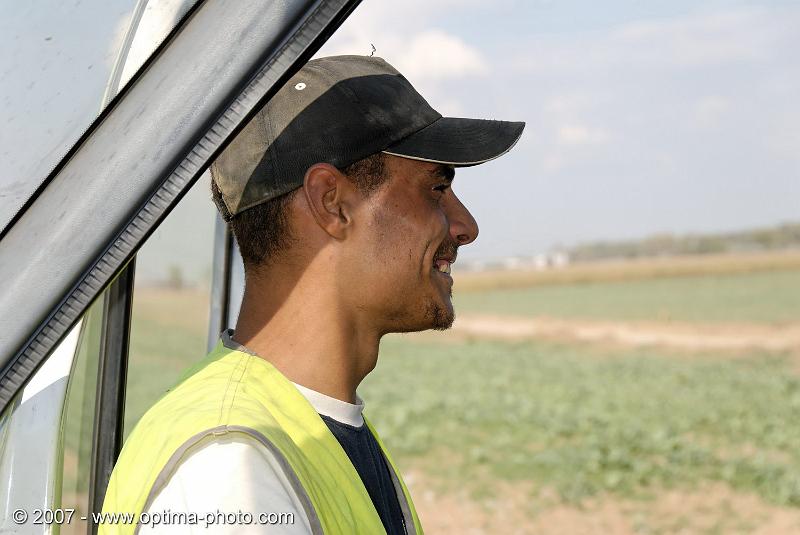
443,171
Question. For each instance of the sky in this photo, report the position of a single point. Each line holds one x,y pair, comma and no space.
642,116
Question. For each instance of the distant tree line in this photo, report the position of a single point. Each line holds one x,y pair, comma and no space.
784,236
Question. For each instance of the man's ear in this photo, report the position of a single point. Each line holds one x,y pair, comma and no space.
329,195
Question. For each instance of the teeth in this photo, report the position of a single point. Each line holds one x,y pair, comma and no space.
443,266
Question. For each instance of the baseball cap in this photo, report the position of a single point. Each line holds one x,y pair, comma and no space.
338,110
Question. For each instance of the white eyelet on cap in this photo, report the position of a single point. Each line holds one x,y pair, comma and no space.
300,86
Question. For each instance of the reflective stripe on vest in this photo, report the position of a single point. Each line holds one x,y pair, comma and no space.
233,392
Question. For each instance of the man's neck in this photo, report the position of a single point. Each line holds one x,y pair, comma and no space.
307,336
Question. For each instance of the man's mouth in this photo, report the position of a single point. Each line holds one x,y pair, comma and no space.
445,257
442,265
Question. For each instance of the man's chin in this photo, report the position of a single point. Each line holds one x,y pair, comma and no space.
436,318
440,317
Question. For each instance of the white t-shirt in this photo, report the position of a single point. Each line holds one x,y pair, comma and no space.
223,479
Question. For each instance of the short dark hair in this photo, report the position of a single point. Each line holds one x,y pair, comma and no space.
263,230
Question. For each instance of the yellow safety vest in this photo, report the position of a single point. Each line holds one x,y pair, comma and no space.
234,392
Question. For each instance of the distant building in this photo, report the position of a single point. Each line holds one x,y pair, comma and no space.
538,262
559,259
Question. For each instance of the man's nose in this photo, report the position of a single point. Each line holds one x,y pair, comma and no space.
463,227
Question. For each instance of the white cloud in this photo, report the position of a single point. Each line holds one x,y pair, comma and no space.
437,55
425,55
567,103
699,40
578,134
661,85
552,163
450,107
428,56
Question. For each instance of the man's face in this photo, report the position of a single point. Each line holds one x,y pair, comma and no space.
412,227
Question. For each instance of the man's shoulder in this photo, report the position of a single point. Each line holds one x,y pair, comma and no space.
208,395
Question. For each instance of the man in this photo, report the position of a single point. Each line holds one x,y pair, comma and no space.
338,194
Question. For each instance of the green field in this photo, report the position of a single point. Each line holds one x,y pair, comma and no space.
586,421
761,297
577,421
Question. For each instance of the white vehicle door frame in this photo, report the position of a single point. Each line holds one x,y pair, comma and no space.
78,237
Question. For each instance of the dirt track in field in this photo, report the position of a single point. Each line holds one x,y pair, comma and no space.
712,509
673,335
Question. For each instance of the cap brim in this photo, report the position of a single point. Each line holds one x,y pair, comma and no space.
459,142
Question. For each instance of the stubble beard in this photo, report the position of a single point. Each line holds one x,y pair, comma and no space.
436,315
440,317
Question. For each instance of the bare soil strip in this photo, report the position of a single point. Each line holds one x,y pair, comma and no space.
514,509
675,335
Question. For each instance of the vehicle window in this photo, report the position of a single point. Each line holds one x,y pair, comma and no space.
181,284
168,332
170,301
32,444
78,423
62,61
